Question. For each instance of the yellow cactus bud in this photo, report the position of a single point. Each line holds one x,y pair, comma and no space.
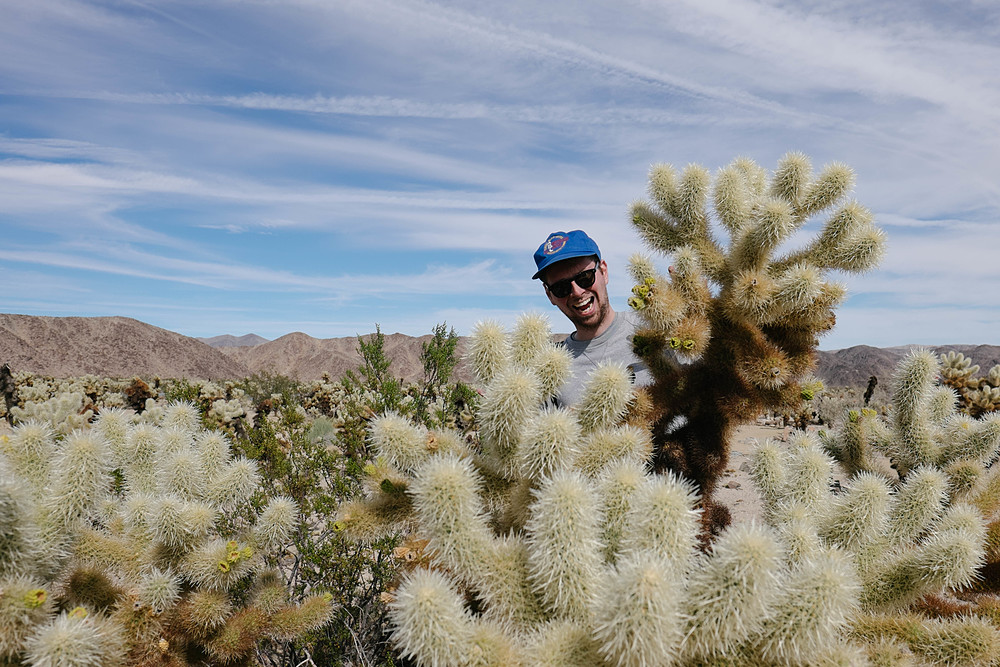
233,556
247,552
78,612
223,566
232,545
854,416
675,343
688,344
636,303
339,526
35,598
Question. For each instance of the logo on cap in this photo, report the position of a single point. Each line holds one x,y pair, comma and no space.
554,244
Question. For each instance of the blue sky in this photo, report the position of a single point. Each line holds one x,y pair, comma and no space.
326,165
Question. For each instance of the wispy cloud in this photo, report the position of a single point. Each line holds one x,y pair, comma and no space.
327,164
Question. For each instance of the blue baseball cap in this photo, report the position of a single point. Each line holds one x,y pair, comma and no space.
564,245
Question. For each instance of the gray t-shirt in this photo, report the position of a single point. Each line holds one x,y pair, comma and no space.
614,345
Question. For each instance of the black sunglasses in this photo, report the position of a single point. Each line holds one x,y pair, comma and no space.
561,288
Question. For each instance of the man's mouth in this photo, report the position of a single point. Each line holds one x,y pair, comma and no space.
584,306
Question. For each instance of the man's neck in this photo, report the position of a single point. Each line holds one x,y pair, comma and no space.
589,333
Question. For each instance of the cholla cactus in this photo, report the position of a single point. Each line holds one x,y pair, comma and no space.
747,317
155,568
977,395
573,552
921,530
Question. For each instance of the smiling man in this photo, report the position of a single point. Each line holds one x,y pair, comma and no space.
576,281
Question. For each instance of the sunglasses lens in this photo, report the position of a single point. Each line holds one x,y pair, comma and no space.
585,278
562,288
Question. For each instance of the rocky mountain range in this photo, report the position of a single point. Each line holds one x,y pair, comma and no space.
124,347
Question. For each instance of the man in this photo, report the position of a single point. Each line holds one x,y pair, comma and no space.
576,281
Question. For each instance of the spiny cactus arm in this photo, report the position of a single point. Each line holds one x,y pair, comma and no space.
400,442
748,296
238,636
489,350
840,230
235,485
956,368
76,638
731,198
912,383
971,439
638,618
942,402
445,497
506,586
919,502
813,606
273,528
657,230
771,222
986,497
563,643
859,515
553,366
375,517
832,185
962,642
218,564
178,523
963,478
663,519
550,440
180,473
531,335
808,473
291,622
606,446
159,589
797,292
616,487
24,606
508,402
850,445
768,473
796,527
947,559
791,178
565,553
31,452
607,394
730,593
19,546
80,475
139,466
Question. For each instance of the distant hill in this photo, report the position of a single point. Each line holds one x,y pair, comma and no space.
853,366
303,357
228,340
124,347
109,346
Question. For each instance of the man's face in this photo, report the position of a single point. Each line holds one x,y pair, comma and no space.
587,308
